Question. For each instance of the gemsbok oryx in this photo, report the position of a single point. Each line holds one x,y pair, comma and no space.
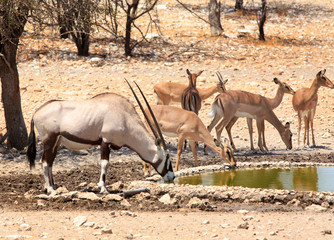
108,120
305,101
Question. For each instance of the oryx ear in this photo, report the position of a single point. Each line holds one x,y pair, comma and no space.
188,72
287,125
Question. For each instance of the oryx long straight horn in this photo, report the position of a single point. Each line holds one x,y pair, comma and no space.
154,118
142,109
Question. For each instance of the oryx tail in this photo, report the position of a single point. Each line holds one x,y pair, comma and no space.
31,152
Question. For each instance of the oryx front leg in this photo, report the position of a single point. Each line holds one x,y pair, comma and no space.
49,184
105,151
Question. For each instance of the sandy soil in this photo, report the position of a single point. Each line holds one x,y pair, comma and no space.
299,44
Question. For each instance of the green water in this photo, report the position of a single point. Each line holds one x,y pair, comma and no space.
302,179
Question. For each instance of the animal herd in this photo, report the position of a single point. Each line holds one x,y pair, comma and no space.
111,121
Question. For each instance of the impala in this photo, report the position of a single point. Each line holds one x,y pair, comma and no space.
177,122
304,102
190,98
272,103
237,103
108,120
170,92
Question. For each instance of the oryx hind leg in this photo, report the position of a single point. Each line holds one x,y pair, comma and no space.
50,146
105,152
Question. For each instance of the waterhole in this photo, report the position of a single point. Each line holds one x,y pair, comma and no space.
299,178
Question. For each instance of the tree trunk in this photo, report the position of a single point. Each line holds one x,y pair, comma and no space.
239,5
16,128
82,42
262,20
214,18
130,16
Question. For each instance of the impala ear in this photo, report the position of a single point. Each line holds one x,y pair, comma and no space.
199,73
323,72
188,72
226,142
276,81
287,125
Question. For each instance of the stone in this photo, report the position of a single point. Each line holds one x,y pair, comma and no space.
80,220
88,196
244,225
194,202
106,230
316,208
166,199
25,227
112,197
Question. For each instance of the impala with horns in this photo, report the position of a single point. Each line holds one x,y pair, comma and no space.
177,122
171,92
304,102
108,120
271,103
236,103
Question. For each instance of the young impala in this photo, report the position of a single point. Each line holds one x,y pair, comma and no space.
176,122
236,103
170,92
305,102
272,103
108,120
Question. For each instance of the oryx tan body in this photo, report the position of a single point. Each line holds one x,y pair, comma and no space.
108,120
305,101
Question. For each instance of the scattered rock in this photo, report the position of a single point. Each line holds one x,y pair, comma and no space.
25,227
166,199
244,225
316,208
80,220
88,196
112,197
106,230
194,202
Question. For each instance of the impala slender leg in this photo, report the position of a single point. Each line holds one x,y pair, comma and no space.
259,130
193,149
213,123
299,127
221,126
179,151
306,133
105,151
263,137
229,133
311,123
250,131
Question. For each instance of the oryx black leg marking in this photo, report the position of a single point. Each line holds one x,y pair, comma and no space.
49,154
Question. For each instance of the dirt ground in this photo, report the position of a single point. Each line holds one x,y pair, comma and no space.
299,44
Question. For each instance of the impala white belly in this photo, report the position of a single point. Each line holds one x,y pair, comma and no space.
170,134
244,114
73,145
